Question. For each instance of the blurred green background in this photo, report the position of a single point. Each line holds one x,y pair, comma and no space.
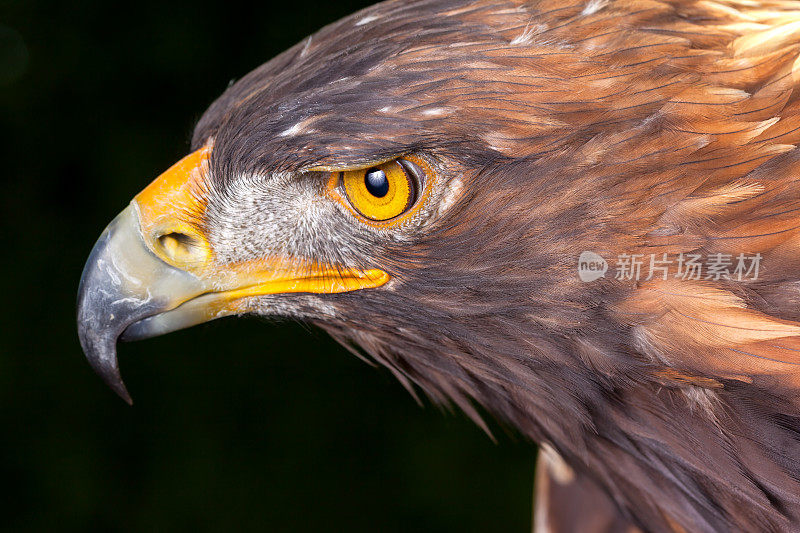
239,424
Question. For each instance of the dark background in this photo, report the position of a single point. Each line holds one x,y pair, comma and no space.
238,424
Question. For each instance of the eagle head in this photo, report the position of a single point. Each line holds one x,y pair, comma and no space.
375,179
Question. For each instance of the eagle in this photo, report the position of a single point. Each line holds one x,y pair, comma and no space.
581,215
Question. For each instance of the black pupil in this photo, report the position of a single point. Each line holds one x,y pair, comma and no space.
377,183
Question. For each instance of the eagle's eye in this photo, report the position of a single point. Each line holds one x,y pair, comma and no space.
380,193
383,193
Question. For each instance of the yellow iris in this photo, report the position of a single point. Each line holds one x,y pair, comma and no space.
379,193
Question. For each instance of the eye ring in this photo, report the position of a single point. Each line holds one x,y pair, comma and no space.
383,195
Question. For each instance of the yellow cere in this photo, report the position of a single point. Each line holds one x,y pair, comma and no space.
379,193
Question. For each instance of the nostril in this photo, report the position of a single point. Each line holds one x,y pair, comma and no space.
179,247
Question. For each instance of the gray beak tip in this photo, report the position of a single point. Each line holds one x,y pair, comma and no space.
102,356
117,385
113,379
122,392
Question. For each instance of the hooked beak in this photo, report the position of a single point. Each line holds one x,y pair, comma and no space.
122,283
152,271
